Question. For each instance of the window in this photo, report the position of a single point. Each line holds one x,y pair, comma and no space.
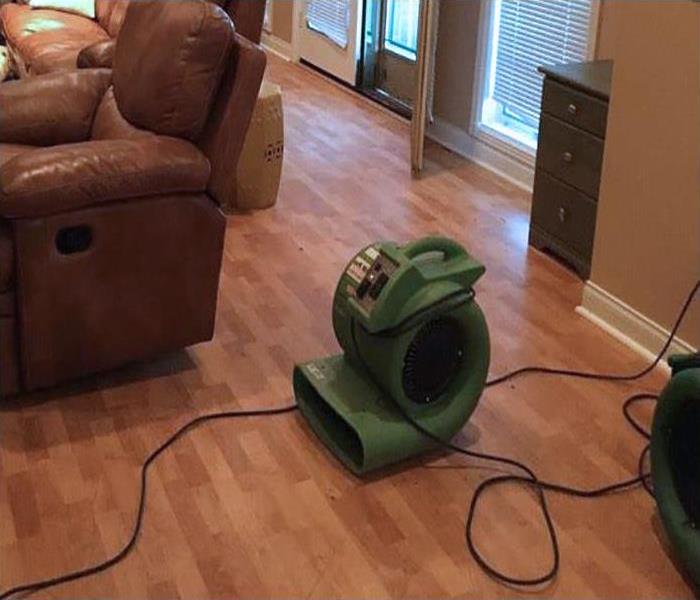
401,35
330,18
521,36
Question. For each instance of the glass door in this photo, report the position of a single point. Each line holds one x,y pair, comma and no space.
389,52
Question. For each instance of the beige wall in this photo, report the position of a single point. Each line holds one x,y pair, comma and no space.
455,60
647,248
608,24
282,17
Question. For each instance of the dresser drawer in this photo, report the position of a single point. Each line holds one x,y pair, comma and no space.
570,154
564,213
575,107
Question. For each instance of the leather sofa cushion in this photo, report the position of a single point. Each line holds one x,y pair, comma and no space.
20,22
171,91
57,108
53,180
109,124
9,151
48,40
98,56
52,56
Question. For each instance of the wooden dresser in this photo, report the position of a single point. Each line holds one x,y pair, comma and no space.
569,160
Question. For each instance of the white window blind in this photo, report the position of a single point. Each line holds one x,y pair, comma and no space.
532,33
330,18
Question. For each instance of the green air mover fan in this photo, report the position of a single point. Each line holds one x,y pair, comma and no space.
412,335
675,461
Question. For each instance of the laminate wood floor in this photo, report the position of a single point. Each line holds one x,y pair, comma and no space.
258,508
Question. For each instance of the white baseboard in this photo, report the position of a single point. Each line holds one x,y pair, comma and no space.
626,324
461,142
277,46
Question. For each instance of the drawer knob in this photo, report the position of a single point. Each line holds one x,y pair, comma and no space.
563,214
568,157
573,109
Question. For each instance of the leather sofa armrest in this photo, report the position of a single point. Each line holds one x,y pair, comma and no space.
57,108
64,178
228,124
248,16
97,56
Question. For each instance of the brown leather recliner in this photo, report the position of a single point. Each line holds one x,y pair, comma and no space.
45,40
110,234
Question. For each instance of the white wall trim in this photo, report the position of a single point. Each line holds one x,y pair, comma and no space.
627,324
277,46
460,141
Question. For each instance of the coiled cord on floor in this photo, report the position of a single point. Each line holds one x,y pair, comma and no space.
530,479
540,486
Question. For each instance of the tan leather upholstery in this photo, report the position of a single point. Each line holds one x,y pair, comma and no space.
9,151
110,124
44,41
171,97
248,16
47,40
57,108
116,17
147,285
116,240
221,140
61,178
21,24
103,11
98,56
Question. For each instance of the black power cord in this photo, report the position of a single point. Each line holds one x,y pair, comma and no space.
645,433
540,486
627,412
530,479
602,376
36,586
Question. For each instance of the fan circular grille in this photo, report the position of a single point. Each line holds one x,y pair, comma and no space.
432,360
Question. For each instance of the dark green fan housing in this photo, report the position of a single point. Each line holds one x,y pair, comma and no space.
414,341
675,461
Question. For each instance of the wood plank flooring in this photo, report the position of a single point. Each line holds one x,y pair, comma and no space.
258,508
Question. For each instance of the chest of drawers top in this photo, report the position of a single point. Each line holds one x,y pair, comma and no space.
593,78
